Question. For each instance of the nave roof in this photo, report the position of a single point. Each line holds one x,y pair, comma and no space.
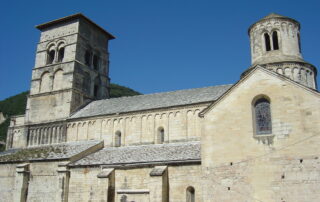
151,101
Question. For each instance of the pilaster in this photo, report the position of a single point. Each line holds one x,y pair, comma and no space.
21,183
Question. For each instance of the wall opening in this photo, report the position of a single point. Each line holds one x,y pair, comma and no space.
50,56
299,43
190,197
61,54
95,62
267,41
160,138
87,58
275,40
117,139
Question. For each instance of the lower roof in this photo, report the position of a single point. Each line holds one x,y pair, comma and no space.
143,154
49,152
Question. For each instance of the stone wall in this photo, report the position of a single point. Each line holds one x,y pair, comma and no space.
179,124
7,181
229,138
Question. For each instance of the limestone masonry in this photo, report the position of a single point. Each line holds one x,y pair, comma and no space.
256,140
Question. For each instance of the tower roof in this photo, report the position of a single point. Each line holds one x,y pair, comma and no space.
274,16
70,18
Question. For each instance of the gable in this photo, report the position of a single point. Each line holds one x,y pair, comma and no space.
228,133
259,74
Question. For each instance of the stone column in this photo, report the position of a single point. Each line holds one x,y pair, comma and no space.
106,178
21,183
63,184
159,184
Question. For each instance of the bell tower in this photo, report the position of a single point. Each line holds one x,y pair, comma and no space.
275,44
71,68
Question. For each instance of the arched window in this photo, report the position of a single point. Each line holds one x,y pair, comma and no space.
86,83
96,62
87,58
160,138
58,80
267,41
190,196
275,40
96,88
299,43
262,116
61,54
45,82
117,139
50,56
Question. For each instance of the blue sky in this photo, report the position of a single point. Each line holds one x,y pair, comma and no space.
160,45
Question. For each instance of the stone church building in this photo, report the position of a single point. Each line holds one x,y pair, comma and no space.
256,140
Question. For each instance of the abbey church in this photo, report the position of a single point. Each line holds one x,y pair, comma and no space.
257,140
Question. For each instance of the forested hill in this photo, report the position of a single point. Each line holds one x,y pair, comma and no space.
16,105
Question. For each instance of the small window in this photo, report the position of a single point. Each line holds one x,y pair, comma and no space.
61,54
190,194
117,139
51,55
87,58
275,40
262,115
95,62
160,138
267,41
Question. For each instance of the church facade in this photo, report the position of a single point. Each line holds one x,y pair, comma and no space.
255,140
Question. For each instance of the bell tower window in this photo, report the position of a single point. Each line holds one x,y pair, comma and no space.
275,40
51,55
61,54
95,62
87,58
267,42
262,117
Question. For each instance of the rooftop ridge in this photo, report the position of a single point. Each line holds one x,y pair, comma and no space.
166,92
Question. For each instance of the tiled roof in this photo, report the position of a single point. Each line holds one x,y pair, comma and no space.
143,154
48,152
151,101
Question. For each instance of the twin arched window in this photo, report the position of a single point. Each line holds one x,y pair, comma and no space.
262,116
274,41
51,53
92,59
